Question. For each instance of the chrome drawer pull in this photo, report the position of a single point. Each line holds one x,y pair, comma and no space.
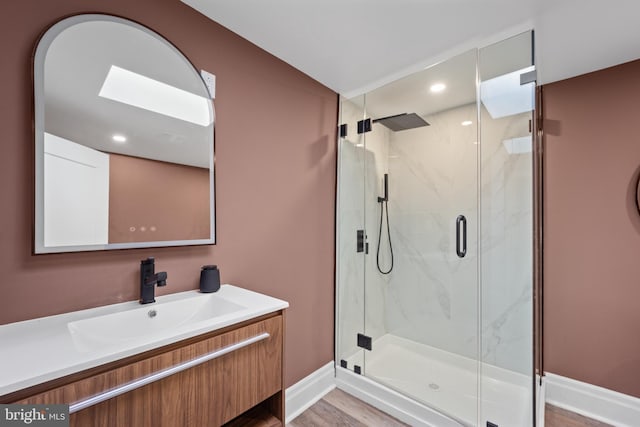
83,404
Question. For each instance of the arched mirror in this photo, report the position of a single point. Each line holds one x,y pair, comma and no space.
124,140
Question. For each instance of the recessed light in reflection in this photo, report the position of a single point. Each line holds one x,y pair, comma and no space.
119,138
437,87
467,123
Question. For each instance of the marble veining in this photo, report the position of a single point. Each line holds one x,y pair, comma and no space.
507,258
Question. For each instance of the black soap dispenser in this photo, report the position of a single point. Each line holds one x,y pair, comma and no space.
209,279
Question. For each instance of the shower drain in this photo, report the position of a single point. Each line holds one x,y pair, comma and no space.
434,386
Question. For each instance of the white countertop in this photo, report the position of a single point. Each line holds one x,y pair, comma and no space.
39,350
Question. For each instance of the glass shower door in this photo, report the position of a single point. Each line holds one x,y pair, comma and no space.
421,287
507,95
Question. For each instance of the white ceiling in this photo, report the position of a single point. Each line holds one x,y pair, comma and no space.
412,94
353,46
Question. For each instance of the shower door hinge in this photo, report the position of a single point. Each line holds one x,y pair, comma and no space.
343,130
364,126
364,342
361,242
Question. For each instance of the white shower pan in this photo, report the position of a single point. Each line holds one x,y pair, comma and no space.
443,381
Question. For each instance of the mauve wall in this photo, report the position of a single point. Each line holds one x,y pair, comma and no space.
592,228
151,200
275,172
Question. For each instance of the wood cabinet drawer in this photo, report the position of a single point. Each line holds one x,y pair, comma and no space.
208,394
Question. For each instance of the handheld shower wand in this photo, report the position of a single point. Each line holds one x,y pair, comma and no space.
384,206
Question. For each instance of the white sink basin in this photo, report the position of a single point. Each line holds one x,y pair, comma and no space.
147,320
39,350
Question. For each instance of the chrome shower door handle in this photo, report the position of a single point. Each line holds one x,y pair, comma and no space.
461,240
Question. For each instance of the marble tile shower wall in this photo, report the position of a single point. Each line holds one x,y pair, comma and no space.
432,294
507,245
377,164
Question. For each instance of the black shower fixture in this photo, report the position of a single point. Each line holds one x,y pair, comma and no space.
402,121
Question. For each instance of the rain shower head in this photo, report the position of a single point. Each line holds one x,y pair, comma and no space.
402,121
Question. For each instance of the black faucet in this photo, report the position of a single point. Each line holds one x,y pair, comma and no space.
149,279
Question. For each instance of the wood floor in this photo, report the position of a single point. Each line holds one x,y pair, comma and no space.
556,417
341,409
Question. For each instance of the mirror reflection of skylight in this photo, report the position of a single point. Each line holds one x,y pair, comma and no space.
504,96
143,92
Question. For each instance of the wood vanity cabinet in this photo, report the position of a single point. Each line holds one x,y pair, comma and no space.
242,387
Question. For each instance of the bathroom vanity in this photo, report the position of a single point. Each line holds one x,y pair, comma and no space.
217,360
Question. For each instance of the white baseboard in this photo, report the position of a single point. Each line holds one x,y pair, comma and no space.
595,402
300,396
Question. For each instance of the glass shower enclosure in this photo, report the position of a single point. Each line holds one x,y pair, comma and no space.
435,237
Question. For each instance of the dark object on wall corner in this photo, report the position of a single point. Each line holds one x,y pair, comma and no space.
209,279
